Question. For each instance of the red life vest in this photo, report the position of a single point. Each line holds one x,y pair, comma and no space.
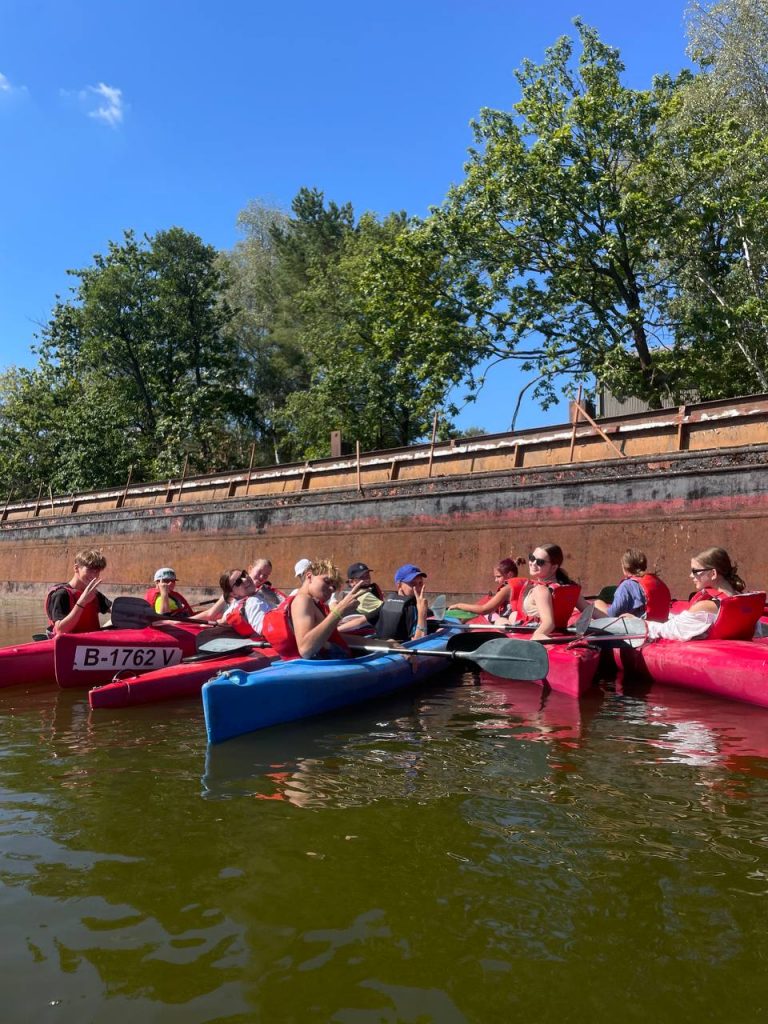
737,616
707,594
238,621
279,634
564,598
184,606
89,613
657,596
516,584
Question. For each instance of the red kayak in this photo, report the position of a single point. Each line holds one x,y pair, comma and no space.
733,669
573,663
88,659
177,681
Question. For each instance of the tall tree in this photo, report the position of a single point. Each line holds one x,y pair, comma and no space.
550,243
135,370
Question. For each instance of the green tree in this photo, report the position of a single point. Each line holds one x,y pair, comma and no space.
133,371
550,244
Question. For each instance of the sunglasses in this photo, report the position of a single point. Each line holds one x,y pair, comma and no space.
538,561
695,572
241,580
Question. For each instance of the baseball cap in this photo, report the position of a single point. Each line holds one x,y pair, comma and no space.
357,569
407,573
165,574
301,566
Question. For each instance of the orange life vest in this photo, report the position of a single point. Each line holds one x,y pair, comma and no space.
657,596
279,633
564,598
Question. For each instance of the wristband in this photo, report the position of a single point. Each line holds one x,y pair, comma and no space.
336,613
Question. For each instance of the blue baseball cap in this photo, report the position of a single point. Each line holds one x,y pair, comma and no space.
407,573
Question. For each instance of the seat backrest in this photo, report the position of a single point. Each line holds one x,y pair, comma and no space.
737,616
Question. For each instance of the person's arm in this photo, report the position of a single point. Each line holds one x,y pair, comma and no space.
422,612
626,599
68,622
542,598
311,636
497,600
211,614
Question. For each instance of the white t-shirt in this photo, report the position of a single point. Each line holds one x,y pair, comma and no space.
254,610
685,626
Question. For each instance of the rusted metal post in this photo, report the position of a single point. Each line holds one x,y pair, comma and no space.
124,497
359,476
432,446
680,427
50,495
577,404
250,468
7,503
183,475
37,505
600,431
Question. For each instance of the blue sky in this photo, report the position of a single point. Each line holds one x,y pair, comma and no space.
134,114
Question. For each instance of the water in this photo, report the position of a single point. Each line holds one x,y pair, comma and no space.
473,852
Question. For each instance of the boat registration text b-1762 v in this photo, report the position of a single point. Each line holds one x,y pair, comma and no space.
96,658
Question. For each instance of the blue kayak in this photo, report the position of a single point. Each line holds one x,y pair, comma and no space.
237,702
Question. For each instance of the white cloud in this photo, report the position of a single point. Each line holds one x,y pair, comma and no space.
6,89
111,109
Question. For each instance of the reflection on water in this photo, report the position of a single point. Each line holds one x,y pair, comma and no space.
472,851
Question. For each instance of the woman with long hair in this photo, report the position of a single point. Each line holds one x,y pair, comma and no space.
550,595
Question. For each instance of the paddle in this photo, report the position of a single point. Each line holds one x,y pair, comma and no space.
506,658
136,613
229,645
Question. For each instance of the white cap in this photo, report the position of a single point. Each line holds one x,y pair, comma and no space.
165,574
301,566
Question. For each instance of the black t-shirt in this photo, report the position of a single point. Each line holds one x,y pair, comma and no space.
60,604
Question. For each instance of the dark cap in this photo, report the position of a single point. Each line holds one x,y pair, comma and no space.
356,570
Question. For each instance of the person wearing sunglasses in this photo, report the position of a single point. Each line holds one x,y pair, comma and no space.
714,578
243,610
550,595
500,603
304,626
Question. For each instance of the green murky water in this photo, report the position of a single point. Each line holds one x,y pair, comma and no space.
467,853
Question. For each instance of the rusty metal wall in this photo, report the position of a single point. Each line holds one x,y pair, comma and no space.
454,527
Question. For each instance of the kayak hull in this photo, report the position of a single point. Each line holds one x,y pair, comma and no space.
239,702
90,659
175,683
572,666
731,669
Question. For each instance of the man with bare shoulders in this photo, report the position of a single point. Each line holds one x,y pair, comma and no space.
315,628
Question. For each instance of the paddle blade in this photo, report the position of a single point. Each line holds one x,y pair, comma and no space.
229,645
437,605
629,626
132,613
510,659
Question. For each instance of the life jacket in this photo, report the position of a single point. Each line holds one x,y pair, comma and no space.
737,616
89,614
707,594
657,596
183,606
396,616
515,584
564,598
236,618
278,631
